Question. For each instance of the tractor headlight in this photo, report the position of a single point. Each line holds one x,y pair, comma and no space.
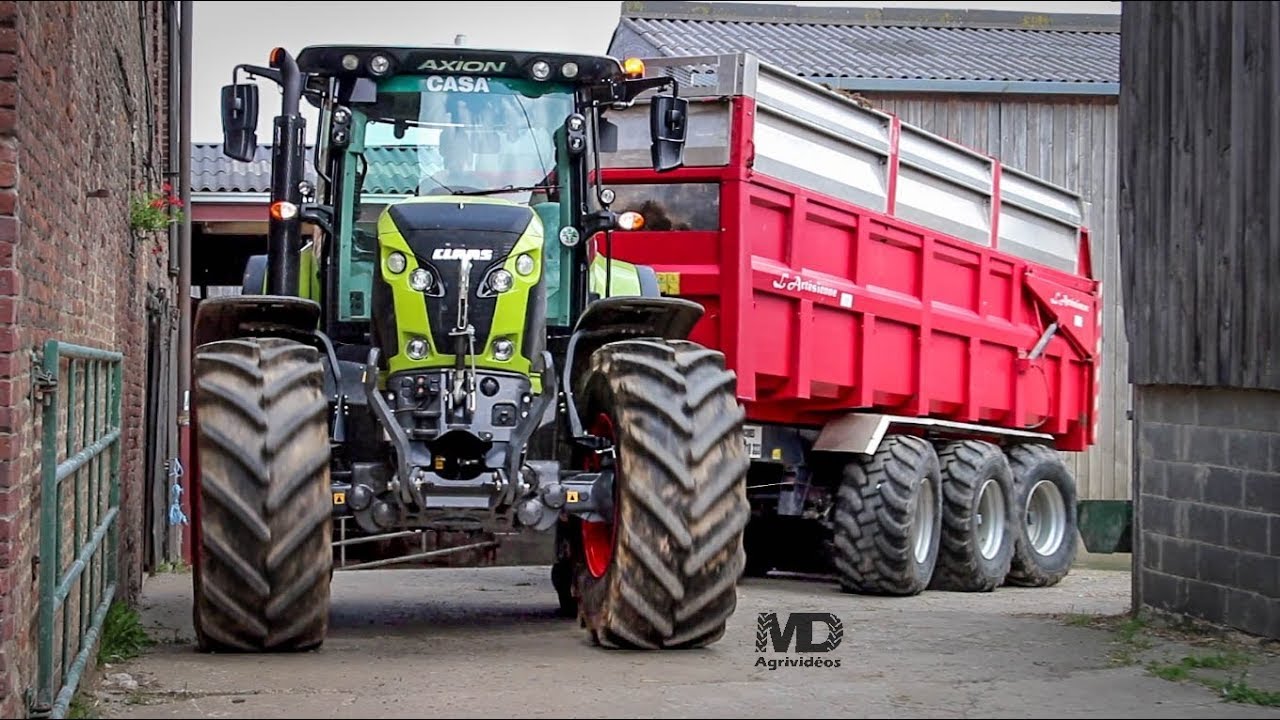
416,349
541,70
396,262
420,280
524,265
500,281
503,349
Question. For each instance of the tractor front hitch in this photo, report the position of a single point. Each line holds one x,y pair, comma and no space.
586,495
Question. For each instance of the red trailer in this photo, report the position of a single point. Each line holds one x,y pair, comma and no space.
915,328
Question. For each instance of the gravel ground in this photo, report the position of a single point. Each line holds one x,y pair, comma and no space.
409,643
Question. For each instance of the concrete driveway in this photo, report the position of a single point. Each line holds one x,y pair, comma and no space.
486,642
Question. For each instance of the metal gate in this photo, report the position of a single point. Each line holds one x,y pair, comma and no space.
80,390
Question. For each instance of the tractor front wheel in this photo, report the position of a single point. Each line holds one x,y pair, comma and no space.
264,527
662,570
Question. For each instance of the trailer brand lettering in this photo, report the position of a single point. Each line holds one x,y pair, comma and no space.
460,253
799,284
799,627
1065,300
463,66
466,84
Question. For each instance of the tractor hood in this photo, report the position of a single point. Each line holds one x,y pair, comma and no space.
466,245
441,233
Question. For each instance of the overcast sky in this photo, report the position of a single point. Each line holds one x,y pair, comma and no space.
227,33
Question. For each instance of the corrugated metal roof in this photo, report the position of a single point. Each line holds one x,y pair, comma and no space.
392,170
883,45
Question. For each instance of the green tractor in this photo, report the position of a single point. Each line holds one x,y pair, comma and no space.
457,359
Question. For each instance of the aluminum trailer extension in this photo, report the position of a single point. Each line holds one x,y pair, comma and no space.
914,327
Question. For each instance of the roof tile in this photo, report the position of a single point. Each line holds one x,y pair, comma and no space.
895,52
392,170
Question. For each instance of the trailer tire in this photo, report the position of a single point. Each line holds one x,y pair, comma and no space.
888,516
978,518
662,571
1045,528
263,522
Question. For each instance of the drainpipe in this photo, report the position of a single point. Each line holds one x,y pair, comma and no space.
168,547
184,272
175,119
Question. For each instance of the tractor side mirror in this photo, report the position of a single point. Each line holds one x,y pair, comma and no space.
668,126
240,121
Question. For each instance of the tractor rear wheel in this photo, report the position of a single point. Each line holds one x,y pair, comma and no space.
264,525
662,571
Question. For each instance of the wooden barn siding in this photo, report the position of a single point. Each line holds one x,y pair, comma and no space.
1070,141
1201,184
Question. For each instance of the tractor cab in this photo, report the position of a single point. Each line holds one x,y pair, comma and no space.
480,127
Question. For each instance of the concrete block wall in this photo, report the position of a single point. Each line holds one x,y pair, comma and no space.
1208,505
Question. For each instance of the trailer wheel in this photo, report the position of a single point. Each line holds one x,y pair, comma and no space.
1045,502
888,516
978,518
662,571
264,520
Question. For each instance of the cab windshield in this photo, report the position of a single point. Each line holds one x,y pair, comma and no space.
463,134
441,135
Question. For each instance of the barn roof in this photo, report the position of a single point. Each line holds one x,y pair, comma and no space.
894,49
392,170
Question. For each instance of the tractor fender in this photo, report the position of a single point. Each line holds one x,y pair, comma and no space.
233,316
620,318
648,278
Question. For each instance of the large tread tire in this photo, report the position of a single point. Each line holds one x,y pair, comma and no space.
885,541
680,496
978,517
1055,530
265,560
562,570
562,581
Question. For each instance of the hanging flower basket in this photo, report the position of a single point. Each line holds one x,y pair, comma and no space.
151,212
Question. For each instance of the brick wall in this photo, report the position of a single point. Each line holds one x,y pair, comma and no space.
1209,505
83,107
